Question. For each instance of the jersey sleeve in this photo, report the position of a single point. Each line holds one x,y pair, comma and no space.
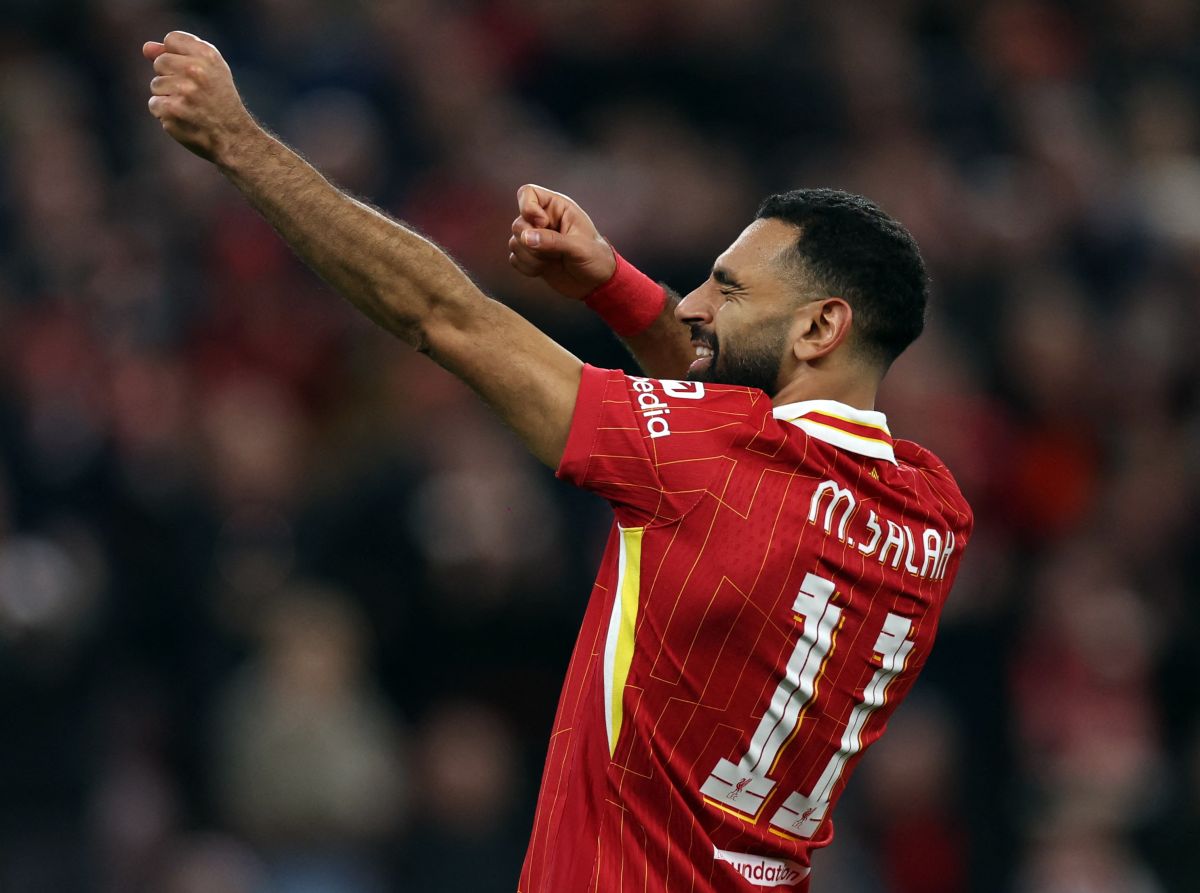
653,447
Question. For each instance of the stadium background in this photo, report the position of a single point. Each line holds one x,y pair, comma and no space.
283,609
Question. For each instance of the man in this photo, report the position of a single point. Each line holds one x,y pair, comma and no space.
775,575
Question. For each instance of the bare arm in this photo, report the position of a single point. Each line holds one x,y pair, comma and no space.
664,350
393,275
555,240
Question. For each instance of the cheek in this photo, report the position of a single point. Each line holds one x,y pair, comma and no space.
727,322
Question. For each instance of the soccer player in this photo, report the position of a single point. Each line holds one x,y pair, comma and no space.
773,582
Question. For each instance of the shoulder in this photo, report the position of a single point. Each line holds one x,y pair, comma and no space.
930,474
695,392
652,446
666,407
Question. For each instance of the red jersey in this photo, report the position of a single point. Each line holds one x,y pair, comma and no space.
770,591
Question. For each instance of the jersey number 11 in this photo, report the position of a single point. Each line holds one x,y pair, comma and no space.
743,787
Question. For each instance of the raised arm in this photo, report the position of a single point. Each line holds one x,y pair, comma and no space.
555,240
400,280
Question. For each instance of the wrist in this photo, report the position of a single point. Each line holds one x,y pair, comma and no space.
240,145
630,301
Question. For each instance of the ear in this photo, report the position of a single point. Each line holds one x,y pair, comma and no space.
820,328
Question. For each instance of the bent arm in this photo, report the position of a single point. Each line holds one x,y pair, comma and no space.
663,349
555,240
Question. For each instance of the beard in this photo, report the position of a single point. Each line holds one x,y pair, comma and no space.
754,363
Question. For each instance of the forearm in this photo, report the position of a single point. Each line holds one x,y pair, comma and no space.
663,350
641,312
393,275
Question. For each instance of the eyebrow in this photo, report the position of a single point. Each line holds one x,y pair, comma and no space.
724,277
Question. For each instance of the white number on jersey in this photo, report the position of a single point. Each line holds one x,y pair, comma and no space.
743,787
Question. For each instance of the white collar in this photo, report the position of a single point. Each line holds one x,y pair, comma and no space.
863,431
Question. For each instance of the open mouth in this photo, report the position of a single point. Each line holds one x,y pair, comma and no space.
704,358
706,353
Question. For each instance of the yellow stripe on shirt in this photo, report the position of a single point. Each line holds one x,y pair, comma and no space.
618,649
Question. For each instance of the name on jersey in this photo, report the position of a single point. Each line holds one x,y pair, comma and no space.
654,410
834,510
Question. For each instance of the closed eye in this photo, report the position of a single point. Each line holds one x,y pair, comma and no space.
725,279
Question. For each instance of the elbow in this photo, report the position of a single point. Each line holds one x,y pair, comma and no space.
451,336
434,333
407,320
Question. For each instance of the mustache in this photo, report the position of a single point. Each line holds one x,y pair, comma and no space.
700,336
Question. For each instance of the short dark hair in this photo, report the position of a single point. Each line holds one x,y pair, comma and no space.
856,251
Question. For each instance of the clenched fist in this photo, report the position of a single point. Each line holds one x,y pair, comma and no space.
555,239
194,96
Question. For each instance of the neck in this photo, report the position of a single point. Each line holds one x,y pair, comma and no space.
859,392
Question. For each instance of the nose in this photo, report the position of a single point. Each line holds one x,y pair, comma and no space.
696,309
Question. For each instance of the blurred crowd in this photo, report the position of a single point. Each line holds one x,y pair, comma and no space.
284,610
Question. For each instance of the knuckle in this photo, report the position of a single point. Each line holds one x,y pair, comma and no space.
161,108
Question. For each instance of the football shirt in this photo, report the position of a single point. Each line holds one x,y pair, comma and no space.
770,591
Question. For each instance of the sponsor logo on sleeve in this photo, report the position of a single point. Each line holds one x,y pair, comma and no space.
762,871
684,390
654,409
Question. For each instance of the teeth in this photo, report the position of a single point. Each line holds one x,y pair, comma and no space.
704,351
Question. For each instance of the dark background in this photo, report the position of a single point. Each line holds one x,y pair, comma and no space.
283,610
